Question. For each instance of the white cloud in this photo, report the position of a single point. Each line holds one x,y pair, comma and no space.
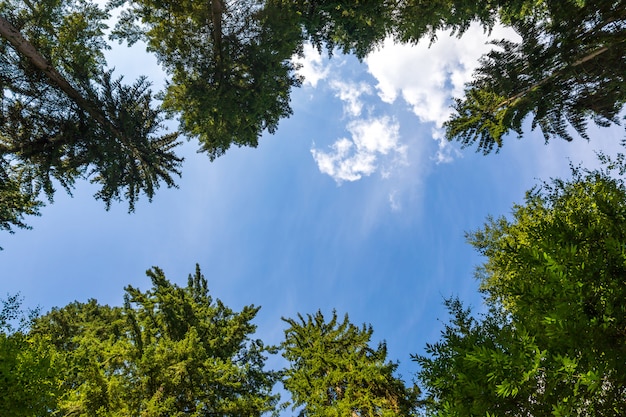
350,93
424,78
427,78
312,66
352,159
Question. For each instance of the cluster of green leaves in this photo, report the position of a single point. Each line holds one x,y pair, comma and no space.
355,27
229,63
553,341
482,367
29,367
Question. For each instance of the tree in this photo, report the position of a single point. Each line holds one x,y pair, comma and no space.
567,69
229,63
29,368
168,351
63,116
554,340
484,366
333,371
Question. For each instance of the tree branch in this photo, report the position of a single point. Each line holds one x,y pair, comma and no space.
25,48
217,8
581,61
538,84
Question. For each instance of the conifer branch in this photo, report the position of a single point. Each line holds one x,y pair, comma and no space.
24,47
555,74
581,61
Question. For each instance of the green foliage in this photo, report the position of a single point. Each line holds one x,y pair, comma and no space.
17,198
29,368
64,117
334,372
564,250
351,26
229,63
170,351
567,69
553,341
423,18
196,353
483,367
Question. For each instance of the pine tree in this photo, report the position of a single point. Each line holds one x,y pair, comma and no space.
333,371
63,116
169,351
567,69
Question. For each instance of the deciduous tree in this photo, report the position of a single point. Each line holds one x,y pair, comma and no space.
355,27
228,61
553,341
30,369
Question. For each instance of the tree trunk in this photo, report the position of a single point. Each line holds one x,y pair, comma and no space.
25,48
217,8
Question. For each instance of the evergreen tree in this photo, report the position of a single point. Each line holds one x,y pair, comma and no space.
170,351
553,342
333,371
568,69
63,115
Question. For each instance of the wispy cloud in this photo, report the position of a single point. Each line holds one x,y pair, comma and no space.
374,142
351,159
350,93
425,78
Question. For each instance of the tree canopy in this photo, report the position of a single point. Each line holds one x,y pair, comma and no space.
65,116
168,351
553,341
229,62
333,371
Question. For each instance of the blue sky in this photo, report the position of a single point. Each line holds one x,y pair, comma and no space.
356,204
